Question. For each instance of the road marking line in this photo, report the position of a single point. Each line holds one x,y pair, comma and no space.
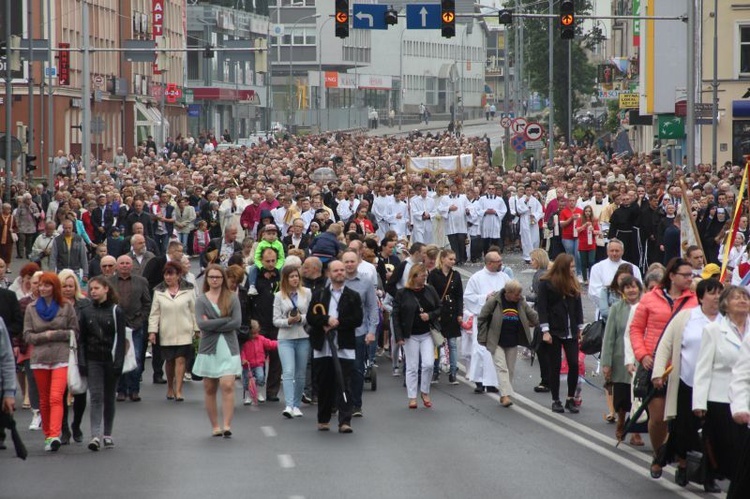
268,431
674,488
463,272
285,461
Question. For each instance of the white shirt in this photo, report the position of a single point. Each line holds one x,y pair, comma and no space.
691,344
602,274
455,221
480,285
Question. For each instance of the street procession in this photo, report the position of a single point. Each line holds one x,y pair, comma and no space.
336,283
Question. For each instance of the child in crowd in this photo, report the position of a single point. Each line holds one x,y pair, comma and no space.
201,238
253,357
269,239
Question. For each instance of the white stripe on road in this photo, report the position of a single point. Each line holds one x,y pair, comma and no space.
285,461
268,431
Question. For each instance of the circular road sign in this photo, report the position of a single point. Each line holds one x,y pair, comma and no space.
518,125
518,143
534,131
505,122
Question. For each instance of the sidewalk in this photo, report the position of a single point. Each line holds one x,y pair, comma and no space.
433,126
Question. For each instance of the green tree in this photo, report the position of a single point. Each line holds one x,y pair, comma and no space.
536,41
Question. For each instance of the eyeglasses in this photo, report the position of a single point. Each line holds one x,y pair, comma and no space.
684,274
107,266
215,277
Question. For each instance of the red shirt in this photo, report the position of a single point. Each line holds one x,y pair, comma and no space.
583,235
566,214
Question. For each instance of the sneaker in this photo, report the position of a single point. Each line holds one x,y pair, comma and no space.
94,445
55,444
396,372
247,401
47,445
252,291
287,412
36,421
357,412
296,412
108,443
557,407
345,428
261,398
306,400
452,379
435,378
187,377
571,406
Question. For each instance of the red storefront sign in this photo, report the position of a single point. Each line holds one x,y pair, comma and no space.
174,93
63,57
157,23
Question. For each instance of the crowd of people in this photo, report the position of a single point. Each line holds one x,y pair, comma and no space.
284,250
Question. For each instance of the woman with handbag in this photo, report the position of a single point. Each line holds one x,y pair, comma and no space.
616,374
415,308
679,345
561,318
290,305
218,315
101,353
72,293
505,322
718,354
48,324
448,284
172,323
654,312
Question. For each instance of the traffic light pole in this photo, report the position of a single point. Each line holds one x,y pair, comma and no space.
551,129
30,68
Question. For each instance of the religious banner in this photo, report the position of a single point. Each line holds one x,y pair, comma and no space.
440,164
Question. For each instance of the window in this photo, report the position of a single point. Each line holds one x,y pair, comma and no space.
744,49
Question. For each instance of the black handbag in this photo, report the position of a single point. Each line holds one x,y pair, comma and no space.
592,336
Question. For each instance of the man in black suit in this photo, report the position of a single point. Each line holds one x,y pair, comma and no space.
102,219
154,274
335,310
10,313
267,285
296,238
221,249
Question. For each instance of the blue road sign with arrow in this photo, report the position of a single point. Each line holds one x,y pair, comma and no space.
423,16
369,16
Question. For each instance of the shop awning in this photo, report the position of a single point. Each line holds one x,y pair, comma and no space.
150,115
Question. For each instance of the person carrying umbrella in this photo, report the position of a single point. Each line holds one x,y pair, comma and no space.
333,315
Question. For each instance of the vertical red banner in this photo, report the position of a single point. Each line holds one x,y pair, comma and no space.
157,24
63,59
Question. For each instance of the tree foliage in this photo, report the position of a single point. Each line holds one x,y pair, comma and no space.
536,41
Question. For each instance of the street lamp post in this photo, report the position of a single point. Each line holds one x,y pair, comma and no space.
291,53
321,83
401,78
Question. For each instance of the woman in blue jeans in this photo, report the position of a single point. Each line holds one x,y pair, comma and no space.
289,312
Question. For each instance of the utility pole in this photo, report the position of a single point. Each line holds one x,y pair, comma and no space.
715,91
551,130
50,118
30,68
86,93
517,64
570,92
8,100
690,122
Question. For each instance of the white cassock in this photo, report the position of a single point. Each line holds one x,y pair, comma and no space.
380,209
398,218
473,223
601,277
455,221
530,211
308,217
230,213
481,366
422,229
492,225
347,208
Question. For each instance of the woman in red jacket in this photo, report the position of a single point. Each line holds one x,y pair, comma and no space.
585,230
652,315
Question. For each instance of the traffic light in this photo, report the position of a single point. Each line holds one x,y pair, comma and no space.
567,20
448,18
391,17
208,52
30,166
342,18
505,16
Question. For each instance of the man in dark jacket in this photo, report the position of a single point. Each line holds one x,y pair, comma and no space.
326,319
135,301
267,285
102,218
221,249
138,215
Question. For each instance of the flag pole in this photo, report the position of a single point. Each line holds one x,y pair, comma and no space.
737,212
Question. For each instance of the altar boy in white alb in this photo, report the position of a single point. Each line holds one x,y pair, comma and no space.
530,211
453,208
422,212
491,207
